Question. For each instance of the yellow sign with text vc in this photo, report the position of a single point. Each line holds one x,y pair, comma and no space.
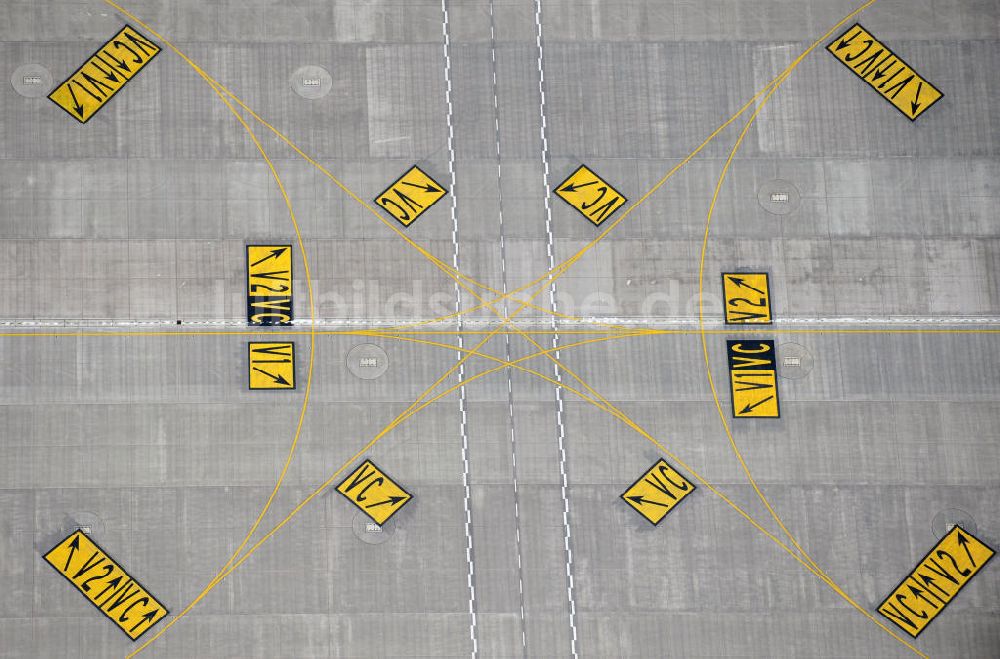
590,194
657,492
373,492
272,365
935,582
747,298
104,74
269,284
753,379
884,71
106,584
410,196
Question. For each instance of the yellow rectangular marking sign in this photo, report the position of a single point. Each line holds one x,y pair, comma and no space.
104,74
269,284
747,297
935,582
753,379
410,196
657,492
884,71
106,584
373,492
591,195
272,365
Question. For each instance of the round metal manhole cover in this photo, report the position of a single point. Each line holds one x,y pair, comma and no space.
367,361
949,517
794,361
779,197
31,80
371,533
311,82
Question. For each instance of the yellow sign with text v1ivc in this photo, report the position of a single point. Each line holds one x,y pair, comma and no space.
935,582
410,196
753,379
373,492
884,71
272,365
269,284
104,74
657,492
590,194
106,584
747,297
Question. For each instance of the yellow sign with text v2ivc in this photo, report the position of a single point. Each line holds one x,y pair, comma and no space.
104,74
753,379
590,194
373,492
884,71
747,297
269,284
272,365
106,584
657,492
410,196
935,582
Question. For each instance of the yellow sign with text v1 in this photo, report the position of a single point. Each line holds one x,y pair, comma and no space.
884,71
410,196
269,284
590,194
935,582
373,492
753,379
747,298
272,365
104,74
106,584
657,492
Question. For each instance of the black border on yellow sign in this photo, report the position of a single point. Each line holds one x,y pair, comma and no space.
767,286
591,170
894,54
401,177
774,367
919,563
291,281
166,611
384,473
295,380
159,50
643,475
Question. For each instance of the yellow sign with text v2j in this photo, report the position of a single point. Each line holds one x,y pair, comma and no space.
104,74
269,284
105,584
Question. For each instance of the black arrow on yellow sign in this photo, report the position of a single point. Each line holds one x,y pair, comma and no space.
964,544
750,408
641,500
391,501
278,379
740,282
426,188
572,187
275,253
73,546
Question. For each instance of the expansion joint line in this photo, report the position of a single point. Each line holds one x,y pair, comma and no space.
462,404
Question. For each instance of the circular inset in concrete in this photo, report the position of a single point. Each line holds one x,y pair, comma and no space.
371,533
367,361
949,517
89,523
311,82
794,360
779,197
31,80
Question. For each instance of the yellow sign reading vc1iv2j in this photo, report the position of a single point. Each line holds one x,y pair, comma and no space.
106,584
373,492
747,297
410,196
884,71
935,582
753,379
269,284
104,74
590,194
657,492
